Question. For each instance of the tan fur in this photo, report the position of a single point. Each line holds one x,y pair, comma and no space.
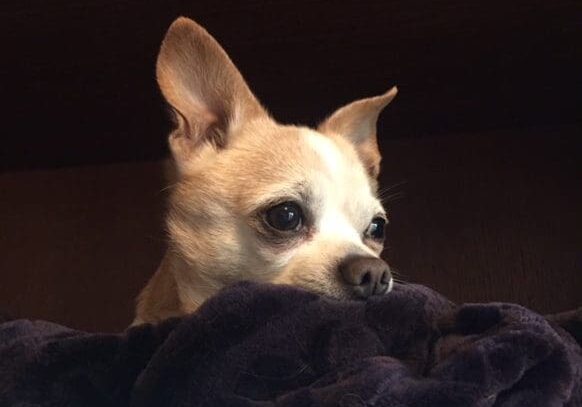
234,161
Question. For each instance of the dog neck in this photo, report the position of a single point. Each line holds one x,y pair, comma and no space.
170,292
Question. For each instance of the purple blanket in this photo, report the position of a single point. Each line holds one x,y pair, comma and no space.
264,345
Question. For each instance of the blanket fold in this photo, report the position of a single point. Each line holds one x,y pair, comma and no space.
267,345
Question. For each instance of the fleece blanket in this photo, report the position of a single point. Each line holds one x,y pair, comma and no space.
265,345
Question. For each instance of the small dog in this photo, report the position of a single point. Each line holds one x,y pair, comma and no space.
258,200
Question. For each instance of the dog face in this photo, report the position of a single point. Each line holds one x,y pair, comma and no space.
257,200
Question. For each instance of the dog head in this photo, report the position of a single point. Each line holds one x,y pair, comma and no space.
258,200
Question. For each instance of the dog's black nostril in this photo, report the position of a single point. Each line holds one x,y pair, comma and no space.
366,279
385,277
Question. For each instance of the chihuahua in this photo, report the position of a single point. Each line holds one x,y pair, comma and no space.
259,200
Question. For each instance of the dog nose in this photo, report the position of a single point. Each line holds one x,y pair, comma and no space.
366,275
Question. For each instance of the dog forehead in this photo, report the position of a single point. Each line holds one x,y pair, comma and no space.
332,158
279,151
339,160
318,159
274,161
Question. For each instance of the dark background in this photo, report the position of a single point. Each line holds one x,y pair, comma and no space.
484,139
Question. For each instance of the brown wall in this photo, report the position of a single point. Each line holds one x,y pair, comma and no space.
492,216
77,244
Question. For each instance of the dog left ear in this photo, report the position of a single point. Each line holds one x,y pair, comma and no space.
357,123
206,91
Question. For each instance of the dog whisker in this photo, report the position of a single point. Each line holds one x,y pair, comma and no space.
397,274
168,187
392,197
392,187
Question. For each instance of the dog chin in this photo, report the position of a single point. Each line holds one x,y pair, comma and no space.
340,295
340,292
337,293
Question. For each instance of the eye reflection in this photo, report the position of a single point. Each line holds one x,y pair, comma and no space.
377,229
286,216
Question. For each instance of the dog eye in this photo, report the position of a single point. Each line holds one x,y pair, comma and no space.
286,216
376,230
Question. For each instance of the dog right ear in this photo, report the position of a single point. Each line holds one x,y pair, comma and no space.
357,123
205,90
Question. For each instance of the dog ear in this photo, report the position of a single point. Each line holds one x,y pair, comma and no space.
357,122
205,90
